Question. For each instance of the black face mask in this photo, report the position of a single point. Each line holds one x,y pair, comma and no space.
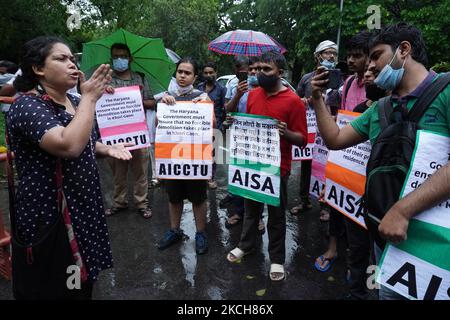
267,82
210,79
374,92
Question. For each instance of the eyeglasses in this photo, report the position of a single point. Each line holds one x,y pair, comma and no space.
330,53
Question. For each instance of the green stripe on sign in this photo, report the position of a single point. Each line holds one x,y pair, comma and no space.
272,201
428,242
248,115
257,166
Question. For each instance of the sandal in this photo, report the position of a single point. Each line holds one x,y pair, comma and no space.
146,213
299,208
277,272
320,267
233,221
114,210
236,254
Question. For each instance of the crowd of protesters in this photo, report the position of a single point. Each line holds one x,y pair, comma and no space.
52,131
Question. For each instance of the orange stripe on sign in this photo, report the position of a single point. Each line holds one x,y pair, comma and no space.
185,151
349,113
349,179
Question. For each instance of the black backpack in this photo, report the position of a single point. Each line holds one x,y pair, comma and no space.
391,154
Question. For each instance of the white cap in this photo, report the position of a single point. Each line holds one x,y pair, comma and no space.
327,44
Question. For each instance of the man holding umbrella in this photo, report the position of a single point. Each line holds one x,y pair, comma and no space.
138,165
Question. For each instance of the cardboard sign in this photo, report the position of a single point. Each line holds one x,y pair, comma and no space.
255,158
184,141
121,118
346,175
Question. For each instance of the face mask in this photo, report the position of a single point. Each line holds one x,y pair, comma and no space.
374,93
180,91
389,78
328,64
120,64
252,81
267,82
210,79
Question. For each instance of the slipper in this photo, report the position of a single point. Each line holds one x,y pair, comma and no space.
114,210
327,267
299,208
146,213
276,272
233,221
236,254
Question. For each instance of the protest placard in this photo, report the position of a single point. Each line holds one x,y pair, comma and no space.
419,268
120,117
346,174
318,165
306,153
184,141
255,158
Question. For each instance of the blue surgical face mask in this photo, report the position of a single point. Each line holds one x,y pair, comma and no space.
120,64
252,81
328,64
389,78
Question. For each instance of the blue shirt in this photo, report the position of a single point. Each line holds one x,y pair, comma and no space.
217,95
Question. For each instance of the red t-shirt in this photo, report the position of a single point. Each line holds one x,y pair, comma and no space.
285,106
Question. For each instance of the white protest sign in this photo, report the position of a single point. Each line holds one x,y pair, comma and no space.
183,141
255,158
306,153
419,268
121,118
346,175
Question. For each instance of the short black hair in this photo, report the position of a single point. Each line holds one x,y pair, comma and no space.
34,53
276,57
121,46
10,66
211,65
191,61
240,61
359,42
253,60
394,34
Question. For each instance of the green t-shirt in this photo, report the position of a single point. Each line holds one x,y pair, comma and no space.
436,118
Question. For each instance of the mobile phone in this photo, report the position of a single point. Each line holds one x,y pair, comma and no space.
334,78
242,76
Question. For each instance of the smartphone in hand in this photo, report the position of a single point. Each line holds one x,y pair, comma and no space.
334,77
242,76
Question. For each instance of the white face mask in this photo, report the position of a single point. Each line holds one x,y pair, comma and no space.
183,90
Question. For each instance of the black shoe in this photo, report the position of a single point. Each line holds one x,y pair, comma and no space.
348,297
170,237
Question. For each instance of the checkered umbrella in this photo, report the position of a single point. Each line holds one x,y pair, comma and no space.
245,42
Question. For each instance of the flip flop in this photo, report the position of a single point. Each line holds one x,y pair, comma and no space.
277,272
323,259
237,254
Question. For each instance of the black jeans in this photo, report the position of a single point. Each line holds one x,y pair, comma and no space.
276,225
359,256
305,180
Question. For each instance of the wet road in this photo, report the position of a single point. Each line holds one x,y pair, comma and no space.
141,271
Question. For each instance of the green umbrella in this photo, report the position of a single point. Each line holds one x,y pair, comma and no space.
149,57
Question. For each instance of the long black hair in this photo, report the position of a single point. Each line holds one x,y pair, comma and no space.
34,53
190,61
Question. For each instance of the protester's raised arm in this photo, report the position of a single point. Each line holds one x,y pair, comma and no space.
70,141
334,138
